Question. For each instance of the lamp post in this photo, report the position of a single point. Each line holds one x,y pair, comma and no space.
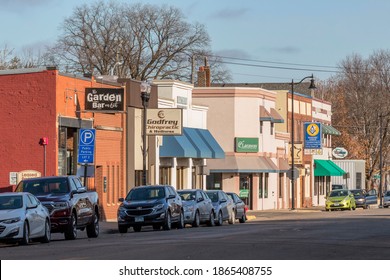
145,96
380,160
312,86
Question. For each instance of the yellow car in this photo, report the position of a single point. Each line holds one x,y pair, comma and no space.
340,200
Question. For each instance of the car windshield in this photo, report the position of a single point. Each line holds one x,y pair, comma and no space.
146,193
213,196
387,193
9,202
357,192
187,196
338,193
43,187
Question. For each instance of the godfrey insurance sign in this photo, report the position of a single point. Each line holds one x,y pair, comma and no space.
164,122
104,99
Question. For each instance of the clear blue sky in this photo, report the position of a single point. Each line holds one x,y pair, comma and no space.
285,32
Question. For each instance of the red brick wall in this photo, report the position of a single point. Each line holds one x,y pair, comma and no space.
27,113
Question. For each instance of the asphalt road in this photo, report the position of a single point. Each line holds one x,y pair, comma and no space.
269,235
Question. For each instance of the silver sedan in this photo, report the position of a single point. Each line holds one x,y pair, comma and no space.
23,218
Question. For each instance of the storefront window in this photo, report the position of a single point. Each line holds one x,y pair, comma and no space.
165,177
214,181
266,185
261,185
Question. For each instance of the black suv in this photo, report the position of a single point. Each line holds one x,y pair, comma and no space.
156,205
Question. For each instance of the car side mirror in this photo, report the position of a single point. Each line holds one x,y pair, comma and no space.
121,199
82,190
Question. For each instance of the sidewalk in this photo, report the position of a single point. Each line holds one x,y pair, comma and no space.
255,214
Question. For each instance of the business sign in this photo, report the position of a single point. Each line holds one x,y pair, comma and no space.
164,121
298,153
339,152
313,135
246,145
104,99
86,149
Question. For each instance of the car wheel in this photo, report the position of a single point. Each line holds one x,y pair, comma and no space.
219,219
232,218
122,229
46,238
71,231
211,221
93,228
168,221
243,218
196,222
137,228
26,234
181,224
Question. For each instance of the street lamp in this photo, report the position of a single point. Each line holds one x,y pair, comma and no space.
312,86
145,96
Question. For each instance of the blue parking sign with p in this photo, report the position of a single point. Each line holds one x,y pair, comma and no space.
86,149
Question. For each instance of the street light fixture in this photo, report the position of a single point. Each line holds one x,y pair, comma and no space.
145,96
293,175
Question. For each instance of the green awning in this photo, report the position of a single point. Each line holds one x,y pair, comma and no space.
327,168
328,129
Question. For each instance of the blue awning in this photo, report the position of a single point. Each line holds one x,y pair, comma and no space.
193,143
212,143
177,146
197,141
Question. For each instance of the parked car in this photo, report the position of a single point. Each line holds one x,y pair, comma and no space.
360,198
340,200
156,205
386,199
23,218
198,208
70,205
240,207
223,206
371,197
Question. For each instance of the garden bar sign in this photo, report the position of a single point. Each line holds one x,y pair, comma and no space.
164,122
104,99
246,145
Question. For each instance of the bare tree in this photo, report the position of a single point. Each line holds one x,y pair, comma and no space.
361,97
137,41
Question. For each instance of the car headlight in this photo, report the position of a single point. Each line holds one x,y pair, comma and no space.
60,205
188,208
10,221
158,206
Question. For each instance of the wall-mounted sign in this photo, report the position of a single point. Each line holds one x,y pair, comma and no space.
104,99
313,135
246,145
339,152
164,121
26,174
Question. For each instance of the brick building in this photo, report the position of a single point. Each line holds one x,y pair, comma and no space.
43,103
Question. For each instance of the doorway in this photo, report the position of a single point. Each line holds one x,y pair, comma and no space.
246,189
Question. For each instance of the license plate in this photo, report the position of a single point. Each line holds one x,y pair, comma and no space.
139,219
336,204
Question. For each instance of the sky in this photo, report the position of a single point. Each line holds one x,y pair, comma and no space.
265,40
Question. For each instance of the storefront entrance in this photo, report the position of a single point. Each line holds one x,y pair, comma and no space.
246,189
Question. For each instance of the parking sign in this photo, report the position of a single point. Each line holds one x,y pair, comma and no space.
86,149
